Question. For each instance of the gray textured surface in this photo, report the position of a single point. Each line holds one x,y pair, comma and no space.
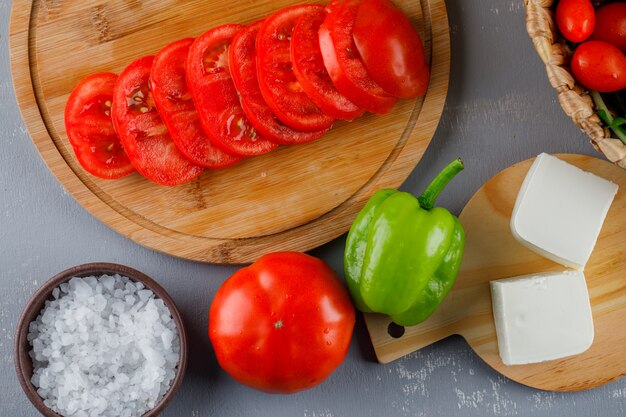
500,110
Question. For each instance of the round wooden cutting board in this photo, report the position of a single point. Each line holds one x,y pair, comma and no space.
492,253
295,198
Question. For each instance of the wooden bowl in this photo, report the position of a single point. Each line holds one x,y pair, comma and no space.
23,362
574,98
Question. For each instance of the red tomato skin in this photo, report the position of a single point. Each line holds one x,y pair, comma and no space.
90,129
283,324
343,63
599,66
215,95
575,19
391,49
242,64
308,66
610,25
175,104
143,133
279,85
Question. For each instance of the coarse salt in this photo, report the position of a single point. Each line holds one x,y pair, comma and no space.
103,346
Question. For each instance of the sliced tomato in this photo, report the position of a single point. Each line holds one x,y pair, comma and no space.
175,104
215,95
142,131
90,129
242,62
308,66
343,63
279,85
391,49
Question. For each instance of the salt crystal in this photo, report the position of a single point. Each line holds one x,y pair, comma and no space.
43,381
81,288
100,302
103,346
131,287
118,307
67,339
57,366
144,295
91,281
167,337
107,282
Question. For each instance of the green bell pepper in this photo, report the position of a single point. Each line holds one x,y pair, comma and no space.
402,254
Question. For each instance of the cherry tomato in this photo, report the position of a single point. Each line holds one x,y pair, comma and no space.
279,85
175,105
215,95
90,129
611,25
391,49
575,19
343,63
599,66
283,324
242,64
142,131
308,66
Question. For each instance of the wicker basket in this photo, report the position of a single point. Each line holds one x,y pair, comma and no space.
574,99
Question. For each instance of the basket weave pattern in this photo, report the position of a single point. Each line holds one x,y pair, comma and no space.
574,99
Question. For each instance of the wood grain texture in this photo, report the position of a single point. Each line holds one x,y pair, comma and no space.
493,253
295,198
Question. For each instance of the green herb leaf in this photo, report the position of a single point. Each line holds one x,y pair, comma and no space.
603,112
617,122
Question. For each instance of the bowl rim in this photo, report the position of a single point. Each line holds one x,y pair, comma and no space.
21,347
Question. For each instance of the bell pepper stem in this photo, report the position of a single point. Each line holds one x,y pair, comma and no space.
428,197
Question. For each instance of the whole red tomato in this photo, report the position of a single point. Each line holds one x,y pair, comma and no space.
575,19
283,324
611,25
599,66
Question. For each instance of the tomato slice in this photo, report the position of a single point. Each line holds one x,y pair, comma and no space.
243,69
173,100
279,85
90,129
343,63
308,66
216,98
142,131
391,49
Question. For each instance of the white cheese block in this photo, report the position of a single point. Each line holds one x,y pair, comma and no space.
542,317
560,209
